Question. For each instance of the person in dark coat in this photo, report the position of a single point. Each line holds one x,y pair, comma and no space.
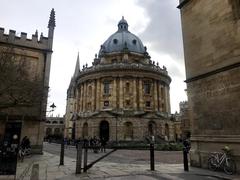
103,144
25,143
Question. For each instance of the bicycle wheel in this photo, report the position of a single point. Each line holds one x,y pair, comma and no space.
212,163
229,166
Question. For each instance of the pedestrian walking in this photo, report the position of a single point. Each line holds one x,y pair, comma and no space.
103,144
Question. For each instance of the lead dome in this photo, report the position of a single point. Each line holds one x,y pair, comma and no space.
122,40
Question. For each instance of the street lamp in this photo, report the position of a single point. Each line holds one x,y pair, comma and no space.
53,106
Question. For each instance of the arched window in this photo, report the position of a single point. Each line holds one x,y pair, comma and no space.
167,131
85,130
54,122
128,131
152,128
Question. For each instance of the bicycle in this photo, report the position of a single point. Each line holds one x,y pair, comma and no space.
22,152
223,160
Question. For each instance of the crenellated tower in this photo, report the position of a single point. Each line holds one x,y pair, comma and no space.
36,54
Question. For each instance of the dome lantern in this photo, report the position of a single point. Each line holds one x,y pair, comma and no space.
122,25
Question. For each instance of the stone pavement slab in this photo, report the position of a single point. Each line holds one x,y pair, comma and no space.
49,169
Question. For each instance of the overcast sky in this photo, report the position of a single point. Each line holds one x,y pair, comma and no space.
84,25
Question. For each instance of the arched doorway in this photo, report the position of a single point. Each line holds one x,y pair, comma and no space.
151,128
57,131
104,130
85,130
49,131
128,131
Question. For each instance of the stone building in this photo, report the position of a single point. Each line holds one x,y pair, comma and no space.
54,126
26,115
211,37
184,116
124,95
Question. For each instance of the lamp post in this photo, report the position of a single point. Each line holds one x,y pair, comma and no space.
53,106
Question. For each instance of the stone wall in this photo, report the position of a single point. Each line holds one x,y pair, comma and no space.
211,32
118,130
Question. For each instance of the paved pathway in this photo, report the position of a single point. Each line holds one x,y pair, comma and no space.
49,169
46,167
122,156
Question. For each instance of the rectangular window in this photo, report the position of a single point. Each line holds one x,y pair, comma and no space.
148,104
89,105
114,61
128,103
106,88
147,88
127,87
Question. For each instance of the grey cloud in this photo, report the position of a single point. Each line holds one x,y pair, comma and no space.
164,29
175,71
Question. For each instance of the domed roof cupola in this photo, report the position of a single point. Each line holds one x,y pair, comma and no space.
122,41
122,25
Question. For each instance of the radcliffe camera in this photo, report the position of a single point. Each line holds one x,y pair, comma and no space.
116,90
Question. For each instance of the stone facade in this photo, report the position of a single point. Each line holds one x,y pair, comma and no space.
124,95
54,126
28,120
211,30
184,116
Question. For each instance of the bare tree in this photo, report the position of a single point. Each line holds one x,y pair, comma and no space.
18,88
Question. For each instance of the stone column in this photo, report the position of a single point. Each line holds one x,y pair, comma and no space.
160,97
94,94
121,93
155,99
98,95
166,100
84,97
82,100
78,99
163,98
134,94
114,94
141,103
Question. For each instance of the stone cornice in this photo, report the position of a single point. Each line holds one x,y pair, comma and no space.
208,74
182,3
124,69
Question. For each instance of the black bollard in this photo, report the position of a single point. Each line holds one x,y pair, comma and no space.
62,153
79,159
85,159
152,164
185,159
